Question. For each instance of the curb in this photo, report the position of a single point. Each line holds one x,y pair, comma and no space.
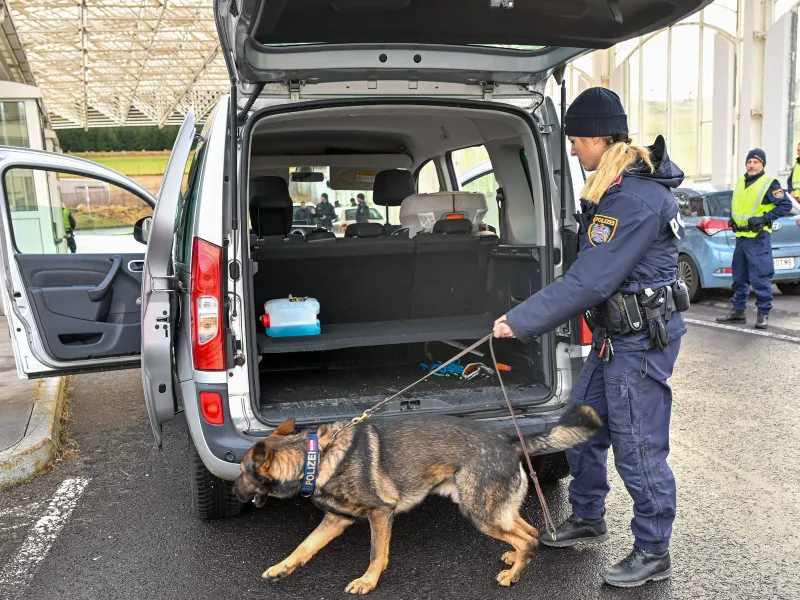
38,447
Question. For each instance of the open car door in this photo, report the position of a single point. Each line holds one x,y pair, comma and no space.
77,291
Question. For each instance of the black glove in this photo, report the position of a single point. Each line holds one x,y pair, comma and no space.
731,223
756,223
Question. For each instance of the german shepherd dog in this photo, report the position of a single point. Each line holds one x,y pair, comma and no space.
383,467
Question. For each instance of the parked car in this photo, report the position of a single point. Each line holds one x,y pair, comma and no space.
438,86
706,252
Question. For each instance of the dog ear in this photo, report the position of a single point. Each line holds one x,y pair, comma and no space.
285,428
261,457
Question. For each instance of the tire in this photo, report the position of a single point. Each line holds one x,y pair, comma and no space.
688,271
212,497
550,467
790,289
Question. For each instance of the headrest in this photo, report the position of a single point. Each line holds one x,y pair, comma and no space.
320,234
393,186
269,192
271,208
364,230
453,226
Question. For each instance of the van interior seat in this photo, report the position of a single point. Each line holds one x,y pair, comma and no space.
364,230
270,207
420,212
451,270
391,188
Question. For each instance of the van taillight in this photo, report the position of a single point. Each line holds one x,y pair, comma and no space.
584,333
208,343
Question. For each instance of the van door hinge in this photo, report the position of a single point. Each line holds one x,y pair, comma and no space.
488,88
166,284
294,90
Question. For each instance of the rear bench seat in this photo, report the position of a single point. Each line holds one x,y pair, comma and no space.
356,279
370,276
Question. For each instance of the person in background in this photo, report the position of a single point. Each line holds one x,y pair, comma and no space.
362,212
758,200
305,213
326,214
336,204
69,229
793,185
352,202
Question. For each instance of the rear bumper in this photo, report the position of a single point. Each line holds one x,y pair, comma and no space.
722,258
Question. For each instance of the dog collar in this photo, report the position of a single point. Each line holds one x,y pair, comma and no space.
312,465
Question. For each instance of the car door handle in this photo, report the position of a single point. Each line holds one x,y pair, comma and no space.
100,292
139,264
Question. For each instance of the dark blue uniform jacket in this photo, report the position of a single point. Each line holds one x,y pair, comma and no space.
628,242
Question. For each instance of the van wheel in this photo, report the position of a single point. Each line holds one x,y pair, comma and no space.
551,467
687,271
790,289
212,497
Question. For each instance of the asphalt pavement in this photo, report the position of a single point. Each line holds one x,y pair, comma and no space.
112,518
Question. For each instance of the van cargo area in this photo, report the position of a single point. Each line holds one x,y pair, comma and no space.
392,295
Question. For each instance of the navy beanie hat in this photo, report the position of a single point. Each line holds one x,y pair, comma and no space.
596,112
759,154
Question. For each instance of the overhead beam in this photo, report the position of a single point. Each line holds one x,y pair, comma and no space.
206,61
127,105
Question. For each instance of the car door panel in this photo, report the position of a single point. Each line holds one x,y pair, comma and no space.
76,326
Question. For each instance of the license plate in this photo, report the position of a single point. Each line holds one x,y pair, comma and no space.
782,264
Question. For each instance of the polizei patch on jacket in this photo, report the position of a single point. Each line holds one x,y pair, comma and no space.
602,229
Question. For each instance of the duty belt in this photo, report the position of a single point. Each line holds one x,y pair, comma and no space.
628,314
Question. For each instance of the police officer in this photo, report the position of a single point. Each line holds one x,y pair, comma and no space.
69,229
758,200
625,274
325,212
794,178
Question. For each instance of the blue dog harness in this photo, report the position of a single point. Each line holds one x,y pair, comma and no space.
312,465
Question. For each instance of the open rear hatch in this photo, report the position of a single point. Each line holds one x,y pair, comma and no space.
463,41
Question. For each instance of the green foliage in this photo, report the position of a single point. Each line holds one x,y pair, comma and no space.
117,139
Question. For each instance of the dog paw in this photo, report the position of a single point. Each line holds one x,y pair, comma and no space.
508,577
276,572
509,557
361,585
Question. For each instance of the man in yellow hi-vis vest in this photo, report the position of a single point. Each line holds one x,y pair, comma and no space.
758,200
794,178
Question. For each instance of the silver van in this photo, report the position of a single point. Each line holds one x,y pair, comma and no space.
397,98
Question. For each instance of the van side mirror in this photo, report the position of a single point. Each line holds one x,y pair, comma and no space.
141,230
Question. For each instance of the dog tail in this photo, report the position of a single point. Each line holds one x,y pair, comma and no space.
579,423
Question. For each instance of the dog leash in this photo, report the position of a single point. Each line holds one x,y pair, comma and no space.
548,521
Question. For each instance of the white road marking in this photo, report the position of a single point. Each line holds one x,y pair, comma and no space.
19,571
27,510
760,332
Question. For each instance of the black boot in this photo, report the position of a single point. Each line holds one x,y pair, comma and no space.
574,530
735,316
638,568
762,321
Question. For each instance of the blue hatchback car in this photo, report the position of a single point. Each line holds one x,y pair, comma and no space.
706,252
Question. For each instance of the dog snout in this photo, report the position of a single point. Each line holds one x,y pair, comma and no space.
244,492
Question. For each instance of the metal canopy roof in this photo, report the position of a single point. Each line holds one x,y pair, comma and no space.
102,63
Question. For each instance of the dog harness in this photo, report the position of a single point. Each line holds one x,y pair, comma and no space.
312,465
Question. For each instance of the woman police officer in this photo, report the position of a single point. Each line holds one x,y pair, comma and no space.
625,276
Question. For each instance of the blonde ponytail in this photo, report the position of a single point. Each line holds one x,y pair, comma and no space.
617,158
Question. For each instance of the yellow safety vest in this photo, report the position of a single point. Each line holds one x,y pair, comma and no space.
747,202
796,178
65,216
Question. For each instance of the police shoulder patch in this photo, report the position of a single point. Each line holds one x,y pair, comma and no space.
602,229
778,194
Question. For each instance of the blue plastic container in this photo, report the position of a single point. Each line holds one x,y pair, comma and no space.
291,317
